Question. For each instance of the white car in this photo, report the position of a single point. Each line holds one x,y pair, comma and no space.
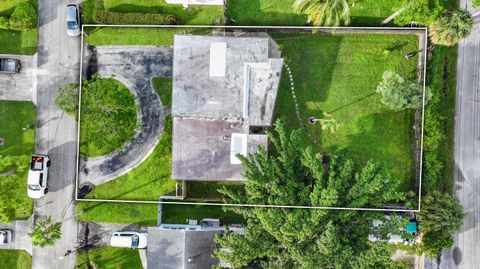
73,20
38,176
5,236
129,240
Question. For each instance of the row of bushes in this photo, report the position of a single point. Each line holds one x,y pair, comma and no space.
109,17
439,113
24,17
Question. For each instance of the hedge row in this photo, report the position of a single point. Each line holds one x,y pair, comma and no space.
109,17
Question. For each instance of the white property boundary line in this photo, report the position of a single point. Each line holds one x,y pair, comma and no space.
252,205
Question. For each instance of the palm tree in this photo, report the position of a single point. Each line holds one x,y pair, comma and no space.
451,27
45,233
324,12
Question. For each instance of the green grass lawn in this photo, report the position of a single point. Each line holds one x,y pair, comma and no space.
15,259
16,151
108,117
338,75
16,42
98,36
163,87
280,12
148,181
208,190
109,258
147,214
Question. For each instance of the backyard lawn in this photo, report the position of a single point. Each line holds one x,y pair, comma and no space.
280,12
15,152
15,259
109,258
16,42
338,75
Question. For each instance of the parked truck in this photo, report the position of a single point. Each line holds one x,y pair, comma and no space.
9,65
38,176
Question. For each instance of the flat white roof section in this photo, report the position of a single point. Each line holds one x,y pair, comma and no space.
238,145
218,58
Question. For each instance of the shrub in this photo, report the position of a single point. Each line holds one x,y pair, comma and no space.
475,3
109,17
4,24
24,17
67,99
399,93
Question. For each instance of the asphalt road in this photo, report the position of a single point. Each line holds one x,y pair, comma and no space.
466,252
58,65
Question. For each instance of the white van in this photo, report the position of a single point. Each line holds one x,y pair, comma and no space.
5,236
38,176
129,240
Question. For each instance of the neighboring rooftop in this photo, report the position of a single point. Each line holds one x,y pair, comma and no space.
181,249
222,85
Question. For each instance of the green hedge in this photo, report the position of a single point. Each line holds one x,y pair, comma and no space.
109,17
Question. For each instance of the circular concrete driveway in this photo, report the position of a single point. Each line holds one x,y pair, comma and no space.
135,66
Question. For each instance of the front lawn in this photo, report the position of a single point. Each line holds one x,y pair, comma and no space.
338,75
280,12
17,42
149,180
15,259
109,258
163,87
179,214
17,129
108,117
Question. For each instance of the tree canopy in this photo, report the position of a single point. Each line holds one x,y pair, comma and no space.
324,12
422,12
451,27
305,238
45,233
399,93
440,217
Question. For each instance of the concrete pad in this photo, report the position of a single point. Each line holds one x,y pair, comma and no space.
20,86
20,238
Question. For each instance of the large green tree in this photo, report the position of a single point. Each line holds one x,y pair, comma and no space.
451,27
399,93
324,12
306,238
441,216
422,12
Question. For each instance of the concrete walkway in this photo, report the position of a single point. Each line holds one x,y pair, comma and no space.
20,230
134,66
20,86
466,252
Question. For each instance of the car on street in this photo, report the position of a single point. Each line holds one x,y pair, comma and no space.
38,176
5,236
9,65
127,239
73,20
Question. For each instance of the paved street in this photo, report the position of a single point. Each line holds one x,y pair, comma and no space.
58,65
466,252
